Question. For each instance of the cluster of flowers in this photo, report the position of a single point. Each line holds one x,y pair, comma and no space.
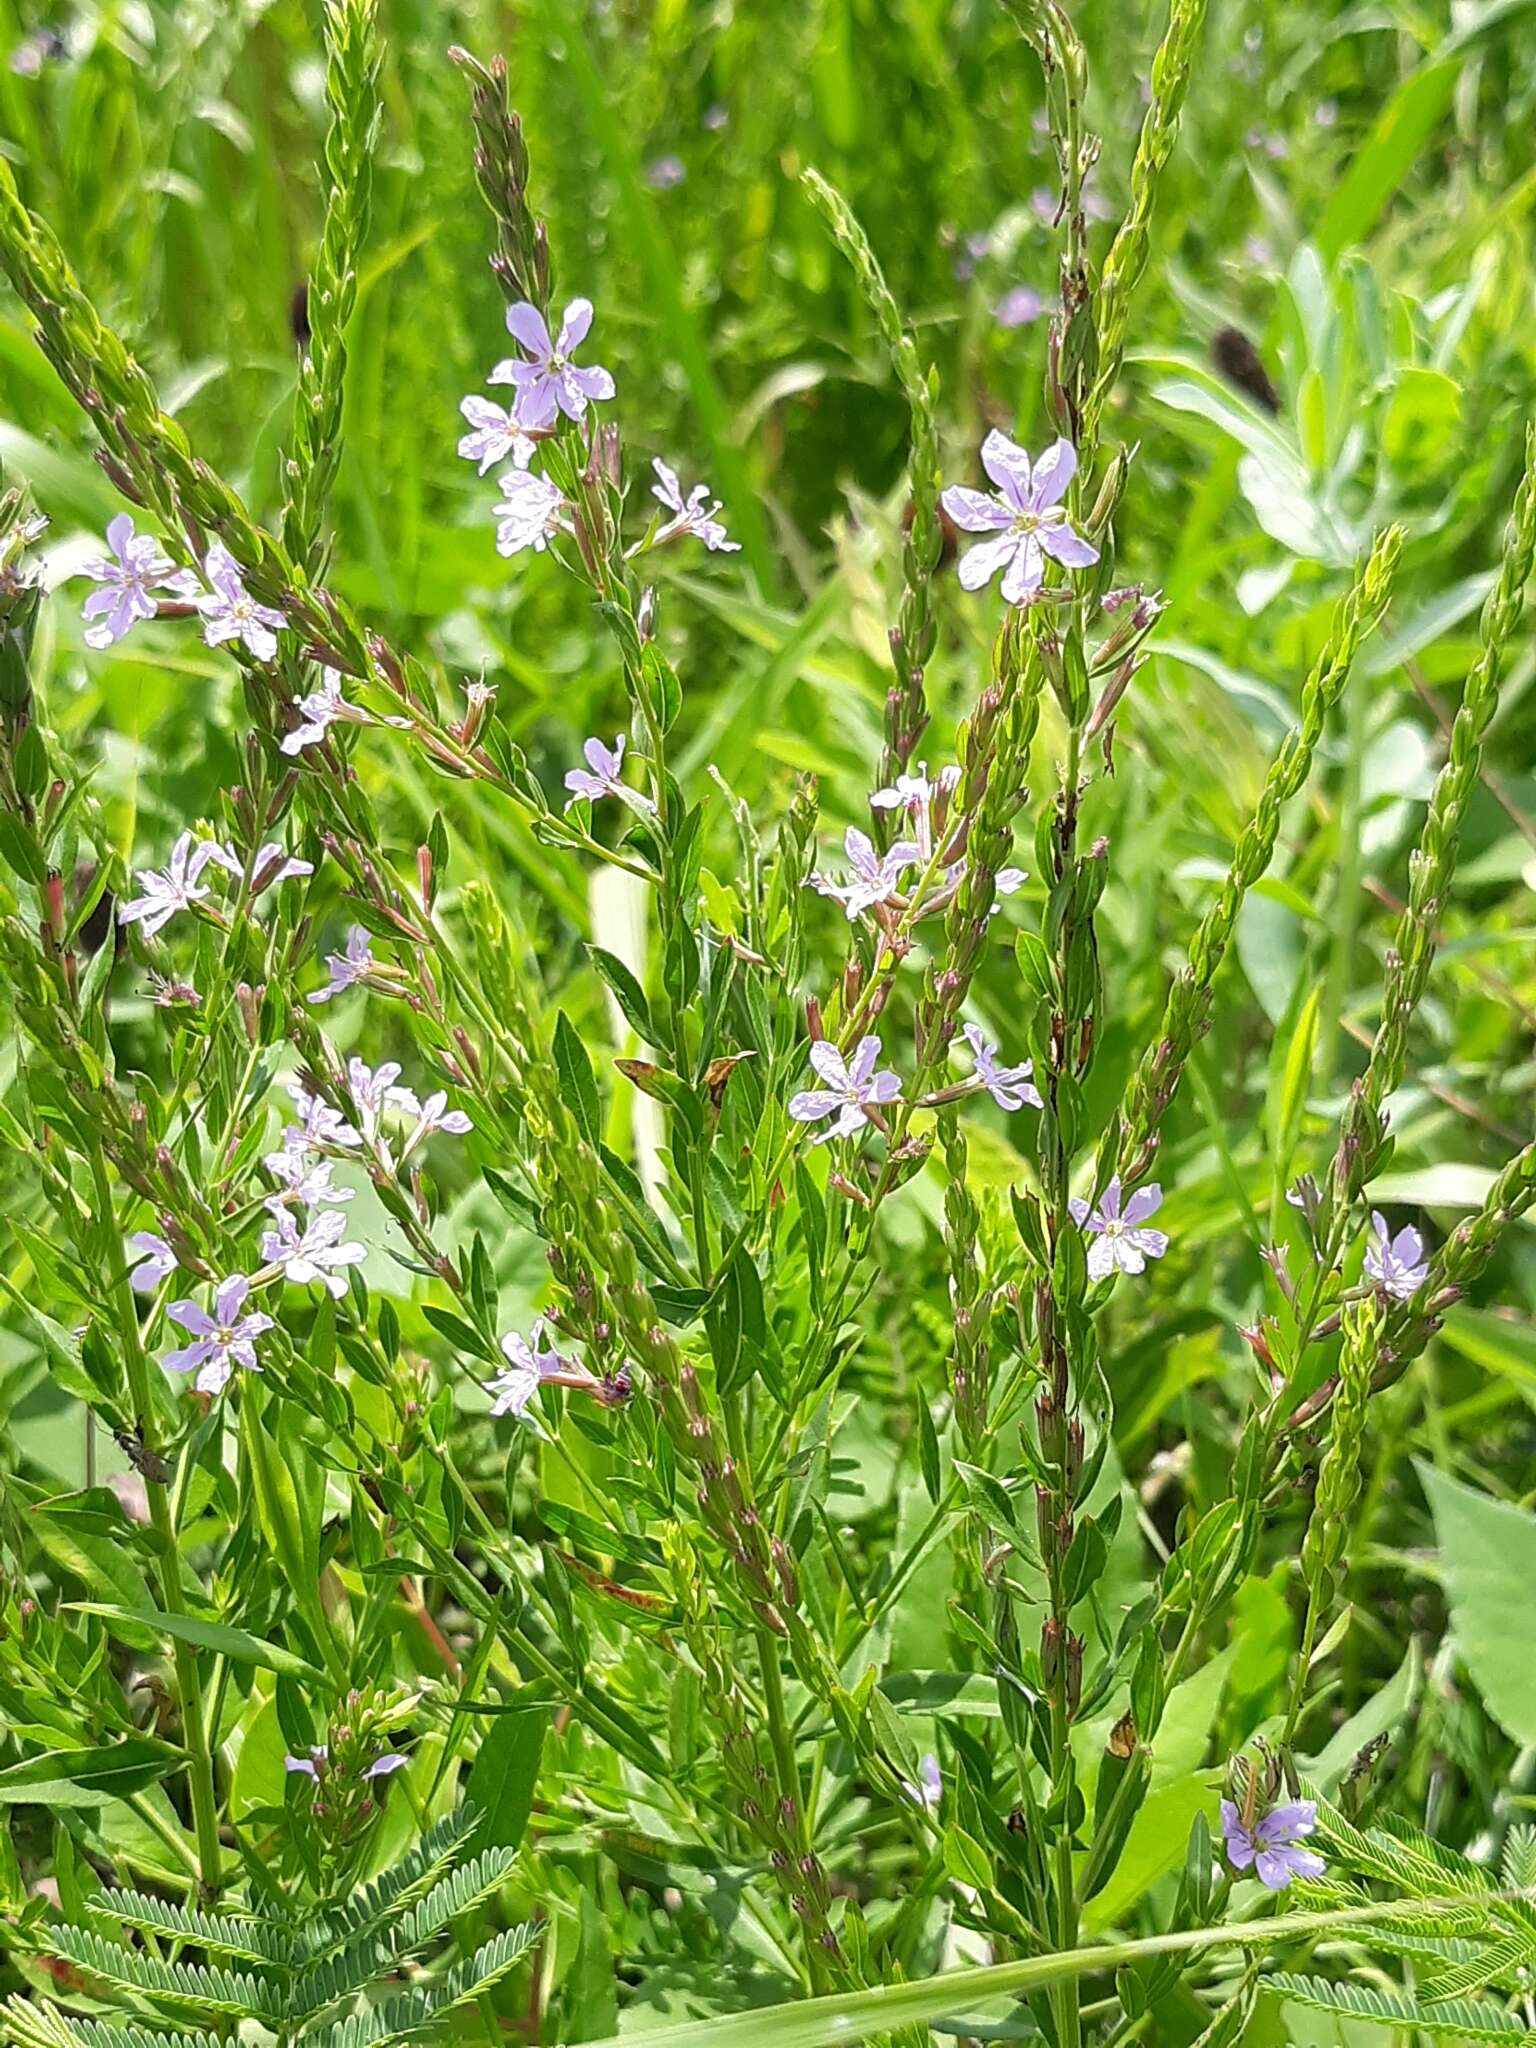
856,1090
179,885
317,1764
875,881
547,383
294,1251
136,567
299,1250
1396,1266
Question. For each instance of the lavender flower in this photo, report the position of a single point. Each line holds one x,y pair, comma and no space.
315,1253
270,864
230,612
176,887
312,1765
318,1123
849,1089
347,968
1396,1264
1024,513
603,776
928,1788
136,566
530,1360
1006,882
694,514
1119,1243
1019,307
917,796
223,1340
318,712
493,436
529,512
666,173
274,864
433,1115
172,995
1009,1087
549,382
875,878
304,1181
155,1260
1307,1196
1271,1847
374,1091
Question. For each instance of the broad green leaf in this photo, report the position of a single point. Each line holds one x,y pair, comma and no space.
1488,1560
85,1777
238,1644
505,1772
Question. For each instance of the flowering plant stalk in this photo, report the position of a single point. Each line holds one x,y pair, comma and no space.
483,1452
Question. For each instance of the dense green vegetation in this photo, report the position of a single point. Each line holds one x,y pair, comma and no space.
1297,1543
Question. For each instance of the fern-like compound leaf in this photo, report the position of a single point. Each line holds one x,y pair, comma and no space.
1461,2019
204,1989
255,1941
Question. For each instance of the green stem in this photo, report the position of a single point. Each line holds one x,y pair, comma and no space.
1346,902
205,1808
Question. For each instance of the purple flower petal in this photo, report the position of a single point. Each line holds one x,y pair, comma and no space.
1298,1817
605,761
1026,571
1066,545
185,1360
829,1063
1145,1202
1010,469
537,401
231,1298
594,382
193,1318
811,1104
525,324
865,1055
983,561
974,511
575,326
1274,1868
1053,473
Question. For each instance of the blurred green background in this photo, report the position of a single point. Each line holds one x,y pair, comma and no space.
1351,199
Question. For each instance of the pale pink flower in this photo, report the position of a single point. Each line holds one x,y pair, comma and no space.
1118,1238
848,1092
494,435
548,382
314,1253
1025,515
